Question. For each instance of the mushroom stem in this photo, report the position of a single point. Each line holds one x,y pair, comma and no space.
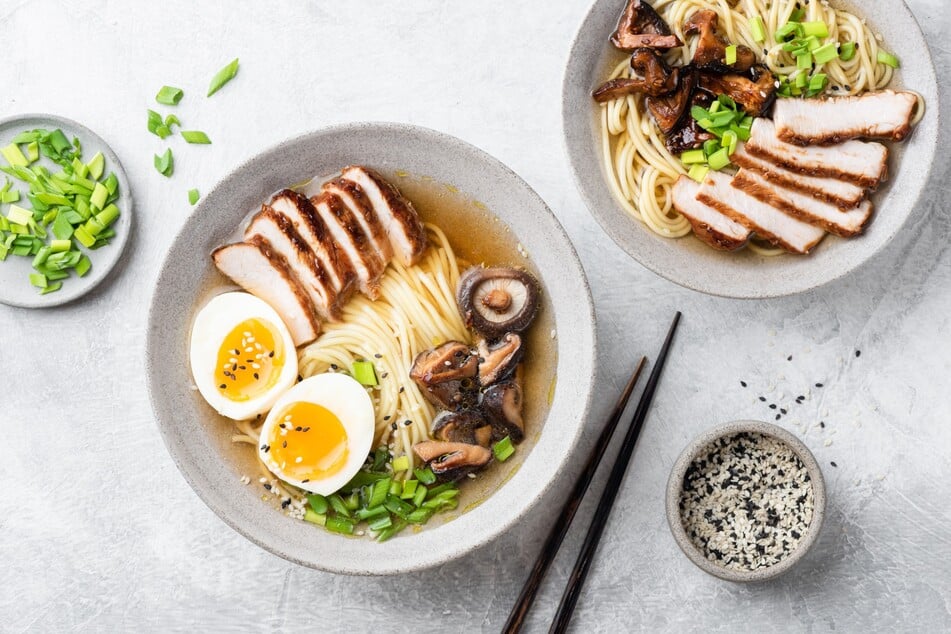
497,300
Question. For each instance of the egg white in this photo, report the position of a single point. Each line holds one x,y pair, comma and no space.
350,403
212,324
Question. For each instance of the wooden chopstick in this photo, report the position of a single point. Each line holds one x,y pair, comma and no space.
588,549
557,533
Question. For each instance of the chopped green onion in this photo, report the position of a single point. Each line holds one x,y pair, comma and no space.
33,151
719,159
758,29
38,280
169,95
401,464
815,29
193,196
84,237
802,80
222,77
165,164
888,59
699,172
58,246
409,489
387,533
710,146
171,120
315,518
797,15
379,492
371,512
395,488
364,373
730,54
419,516
339,525
195,137
96,166
420,496
395,505
82,266
826,53
426,476
19,215
729,141
790,28
692,157
503,449
817,84
155,120
847,51
14,156
336,502
380,524
52,287
804,61
318,503
99,195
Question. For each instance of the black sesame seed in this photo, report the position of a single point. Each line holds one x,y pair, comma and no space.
234,366
789,358
384,375
299,378
333,366
772,406
858,353
833,464
822,424
402,389
762,398
306,480
393,425
242,367
818,384
298,428
306,429
847,87
407,422
267,486
378,355
743,383
387,417
271,353
782,411
249,360
281,426
778,416
284,444
256,377
223,386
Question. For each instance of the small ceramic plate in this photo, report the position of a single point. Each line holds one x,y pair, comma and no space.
15,287
689,262
415,160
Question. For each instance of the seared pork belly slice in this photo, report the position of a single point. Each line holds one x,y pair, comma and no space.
311,227
400,221
831,190
857,162
280,233
711,226
258,269
352,242
805,207
883,115
768,222
360,206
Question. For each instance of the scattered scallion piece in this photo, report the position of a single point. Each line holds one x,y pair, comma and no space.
315,518
364,373
426,476
730,56
815,29
503,449
699,172
719,159
401,464
222,77
888,59
692,157
847,51
193,196
758,29
14,156
826,53
195,137
171,120
165,164
169,95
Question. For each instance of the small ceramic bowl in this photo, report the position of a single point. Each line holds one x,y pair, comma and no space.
675,486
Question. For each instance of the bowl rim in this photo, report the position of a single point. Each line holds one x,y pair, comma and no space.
675,485
192,473
604,216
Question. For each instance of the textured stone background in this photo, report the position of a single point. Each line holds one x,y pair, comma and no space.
99,532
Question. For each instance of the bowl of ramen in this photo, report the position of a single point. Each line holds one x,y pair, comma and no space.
750,149
371,348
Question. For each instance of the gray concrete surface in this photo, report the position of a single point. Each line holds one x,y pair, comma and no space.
98,532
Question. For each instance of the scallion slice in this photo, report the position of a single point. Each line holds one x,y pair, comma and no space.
196,137
699,172
169,95
503,449
730,55
315,518
815,29
888,59
693,157
364,373
401,464
165,164
758,29
847,51
222,77
719,159
193,196
426,476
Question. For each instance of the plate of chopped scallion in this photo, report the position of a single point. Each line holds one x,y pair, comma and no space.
65,210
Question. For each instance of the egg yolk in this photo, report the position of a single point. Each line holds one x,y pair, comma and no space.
309,442
250,360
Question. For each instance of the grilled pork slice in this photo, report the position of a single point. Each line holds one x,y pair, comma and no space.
839,193
258,269
280,233
711,226
360,206
875,115
815,212
352,242
768,222
400,221
311,227
856,162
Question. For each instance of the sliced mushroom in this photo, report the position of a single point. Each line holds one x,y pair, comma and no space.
497,300
688,135
650,75
447,375
468,426
498,360
452,460
711,47
668,110
502,404
640,26
756,95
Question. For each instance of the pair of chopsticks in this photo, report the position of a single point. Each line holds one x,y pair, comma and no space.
557,534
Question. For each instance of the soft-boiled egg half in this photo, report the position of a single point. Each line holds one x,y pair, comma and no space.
242,355
319,433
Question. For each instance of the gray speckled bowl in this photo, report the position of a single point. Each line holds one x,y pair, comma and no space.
199,441
689,262
675,486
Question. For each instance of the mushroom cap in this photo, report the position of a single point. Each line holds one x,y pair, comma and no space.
452,460
497,300
502,404
466,426
447,375
498,360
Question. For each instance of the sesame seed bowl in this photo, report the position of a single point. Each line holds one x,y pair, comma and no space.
745,501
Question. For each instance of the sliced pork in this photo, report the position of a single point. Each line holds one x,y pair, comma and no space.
883,115
360,206
258,269
400,221
831,190
352,242
767,221
857,162
640,26
805,207
299,210
711,226
280,233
